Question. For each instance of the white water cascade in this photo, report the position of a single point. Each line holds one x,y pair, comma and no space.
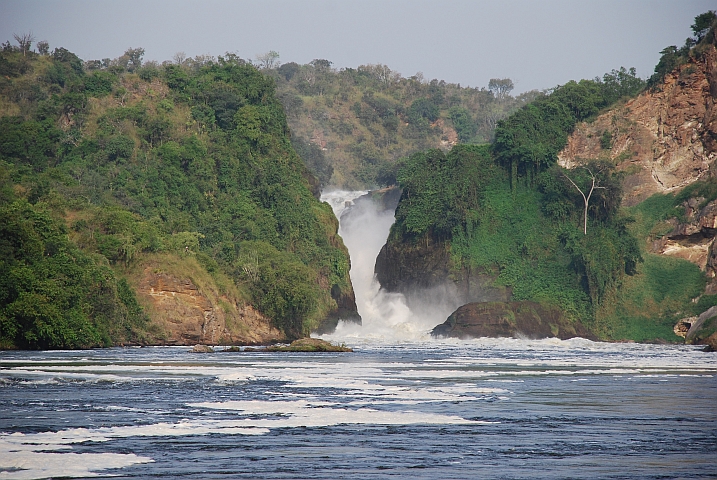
385,316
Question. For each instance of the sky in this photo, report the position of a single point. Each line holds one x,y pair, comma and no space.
538,44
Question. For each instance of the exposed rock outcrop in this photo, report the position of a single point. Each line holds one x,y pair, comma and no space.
384,199
189,314
418,268
702,329
664,139
509,319
309,345
202,349
693,239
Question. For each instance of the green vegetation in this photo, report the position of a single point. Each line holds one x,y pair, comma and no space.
529,238
53,294
528,142
107,162
309,345
362,120
672,57
551,235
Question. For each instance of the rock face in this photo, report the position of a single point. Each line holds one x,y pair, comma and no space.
420,268
190,315
703,329
693,239
663,139
509,319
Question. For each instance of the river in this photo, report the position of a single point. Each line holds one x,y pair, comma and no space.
402,405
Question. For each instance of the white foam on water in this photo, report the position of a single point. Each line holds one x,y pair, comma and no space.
323,391
26,465
303,413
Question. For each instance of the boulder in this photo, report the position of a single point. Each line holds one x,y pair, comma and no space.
704,330
510,319
309,345
202,349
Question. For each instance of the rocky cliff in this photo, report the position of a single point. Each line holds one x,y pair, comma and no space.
188,307
664,139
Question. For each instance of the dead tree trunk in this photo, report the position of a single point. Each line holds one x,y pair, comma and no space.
586,198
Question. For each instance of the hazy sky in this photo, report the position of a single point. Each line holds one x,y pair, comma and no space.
539,44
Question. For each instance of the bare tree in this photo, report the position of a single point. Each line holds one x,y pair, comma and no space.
586,198
25,41
269,59
179,58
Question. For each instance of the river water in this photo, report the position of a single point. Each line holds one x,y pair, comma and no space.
401,405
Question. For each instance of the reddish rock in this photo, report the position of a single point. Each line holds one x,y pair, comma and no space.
663,139
186,314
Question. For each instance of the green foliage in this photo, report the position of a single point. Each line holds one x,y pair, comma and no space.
32,143
282,290
440,189
673,57
622,83
367,118
648,304
530,238
463,123
206,169
703,23
528,142
99,83
53,295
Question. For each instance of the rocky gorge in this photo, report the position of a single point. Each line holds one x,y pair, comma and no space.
662,145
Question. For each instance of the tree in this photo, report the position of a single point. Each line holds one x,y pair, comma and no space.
586,198
384,75
621,83
288,70
463,123
134,56
501,87
321,64
179,58
268,60
703,23
24,41
43,48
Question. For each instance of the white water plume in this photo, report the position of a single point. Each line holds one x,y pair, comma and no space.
364,226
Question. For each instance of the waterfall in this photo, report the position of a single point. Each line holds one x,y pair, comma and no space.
364,226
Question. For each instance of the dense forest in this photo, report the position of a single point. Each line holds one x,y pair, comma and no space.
104,164
557,236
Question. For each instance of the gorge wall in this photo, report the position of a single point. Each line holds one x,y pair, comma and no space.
664,139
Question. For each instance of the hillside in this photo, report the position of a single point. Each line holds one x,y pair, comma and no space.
351,125
156,204
508,223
